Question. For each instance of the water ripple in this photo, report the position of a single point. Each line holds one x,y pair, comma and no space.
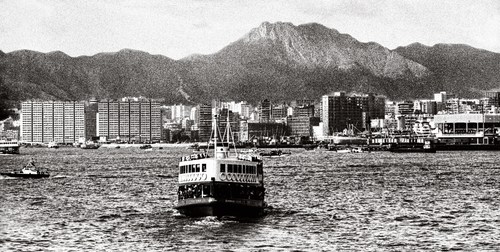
123,199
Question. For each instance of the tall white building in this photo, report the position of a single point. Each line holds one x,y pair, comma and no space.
440,97
52,121
129,120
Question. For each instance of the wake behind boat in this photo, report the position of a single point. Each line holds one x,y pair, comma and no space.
28,171
227,184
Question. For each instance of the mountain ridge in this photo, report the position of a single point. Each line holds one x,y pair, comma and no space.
279,62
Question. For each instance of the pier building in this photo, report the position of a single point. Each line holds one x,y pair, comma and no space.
467,128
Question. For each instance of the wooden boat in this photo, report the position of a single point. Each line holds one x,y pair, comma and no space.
29,171
225,184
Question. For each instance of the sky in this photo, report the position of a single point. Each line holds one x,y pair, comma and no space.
177,29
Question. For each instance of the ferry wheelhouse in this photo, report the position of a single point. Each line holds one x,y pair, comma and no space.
227,183
9,147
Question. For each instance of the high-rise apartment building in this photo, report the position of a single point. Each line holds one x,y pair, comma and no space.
91,119
265,111
340,111
279,112
204,122
226,115
52,121
130,120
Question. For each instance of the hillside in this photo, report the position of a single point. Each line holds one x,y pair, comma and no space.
460,69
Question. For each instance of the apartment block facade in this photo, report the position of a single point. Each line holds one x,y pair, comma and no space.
52,121
130,120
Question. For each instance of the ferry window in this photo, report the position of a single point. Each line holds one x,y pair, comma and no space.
203,167
190,168
229,168
222,167
180,170
197,168
239,169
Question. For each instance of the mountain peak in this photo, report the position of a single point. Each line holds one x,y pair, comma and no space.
286,30
269,31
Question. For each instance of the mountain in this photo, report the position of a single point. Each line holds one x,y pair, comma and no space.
279,62
284,62
460,69
55,75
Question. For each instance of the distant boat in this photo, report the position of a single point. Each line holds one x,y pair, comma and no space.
53,145
146,147
426,146
348,149
89,146
29,171
349,140
227,184
349,137
9,147
194,146
275,153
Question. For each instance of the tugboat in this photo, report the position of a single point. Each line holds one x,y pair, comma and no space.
29,171
227,184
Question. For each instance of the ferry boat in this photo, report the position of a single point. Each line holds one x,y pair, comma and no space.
9,147
427,146
225,184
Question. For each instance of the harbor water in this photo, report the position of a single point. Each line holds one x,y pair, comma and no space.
115,200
